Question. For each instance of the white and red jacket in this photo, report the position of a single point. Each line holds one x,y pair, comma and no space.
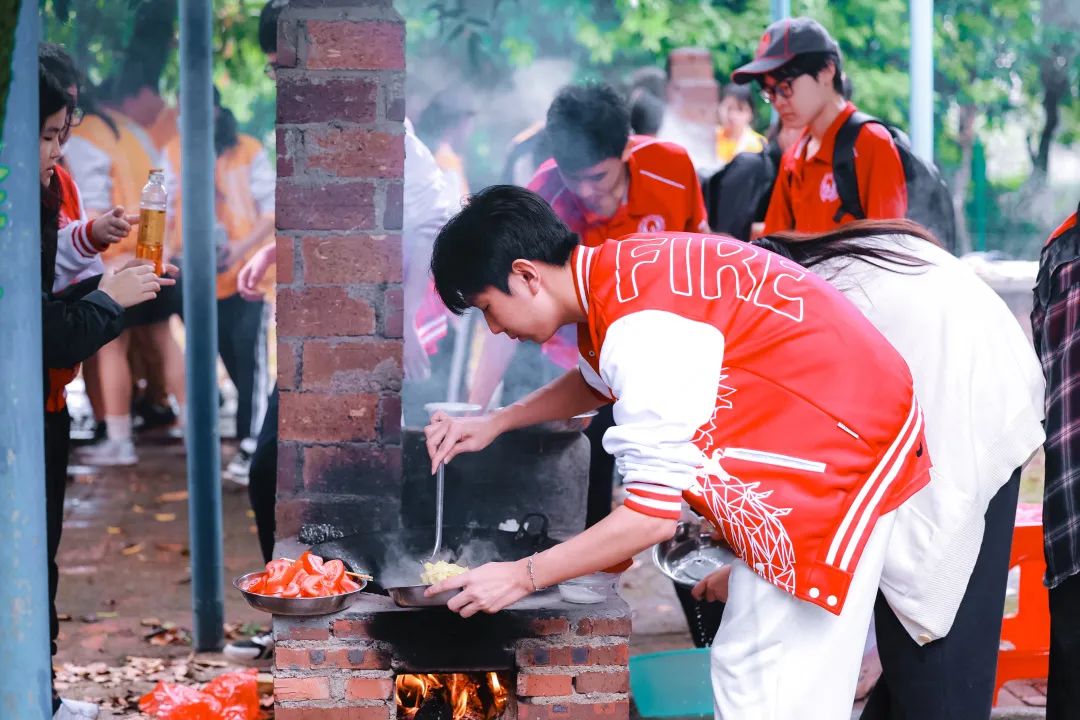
77,255
754,390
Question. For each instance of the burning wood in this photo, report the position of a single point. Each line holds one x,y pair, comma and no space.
451,696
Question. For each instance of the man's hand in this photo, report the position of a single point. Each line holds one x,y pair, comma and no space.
133,284
714,588
489,588
112,227
247,282
447,436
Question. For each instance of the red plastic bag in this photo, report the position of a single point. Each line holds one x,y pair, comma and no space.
232,696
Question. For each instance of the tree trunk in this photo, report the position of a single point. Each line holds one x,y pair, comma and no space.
1053,71
962,178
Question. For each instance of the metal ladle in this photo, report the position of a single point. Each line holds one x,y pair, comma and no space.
453,409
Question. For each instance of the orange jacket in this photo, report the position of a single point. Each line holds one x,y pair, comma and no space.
241,200
754,390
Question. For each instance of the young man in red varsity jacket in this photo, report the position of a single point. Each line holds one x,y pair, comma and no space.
742,384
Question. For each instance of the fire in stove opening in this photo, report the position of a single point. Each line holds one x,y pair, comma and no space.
451,696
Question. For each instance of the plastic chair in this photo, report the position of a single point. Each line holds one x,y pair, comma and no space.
1025,636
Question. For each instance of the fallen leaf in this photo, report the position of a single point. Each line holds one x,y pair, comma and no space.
63,617
150,622
132,549
113,530
137,508
250,513
170,547
164,517
107,615
175,496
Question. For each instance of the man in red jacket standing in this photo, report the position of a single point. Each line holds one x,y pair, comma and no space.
742,384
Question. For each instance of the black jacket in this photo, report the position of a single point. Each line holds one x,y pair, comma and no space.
738,194
77,321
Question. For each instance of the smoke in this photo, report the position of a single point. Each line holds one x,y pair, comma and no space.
501,113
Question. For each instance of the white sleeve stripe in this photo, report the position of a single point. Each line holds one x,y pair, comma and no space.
675,505
654,489
654,176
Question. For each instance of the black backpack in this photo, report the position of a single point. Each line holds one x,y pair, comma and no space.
929,201
737,195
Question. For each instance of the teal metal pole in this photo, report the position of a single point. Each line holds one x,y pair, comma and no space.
922,79
200,319
780,9
25,684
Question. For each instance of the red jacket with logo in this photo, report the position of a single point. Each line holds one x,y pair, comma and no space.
751,388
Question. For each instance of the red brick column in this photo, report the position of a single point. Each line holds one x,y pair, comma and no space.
339,216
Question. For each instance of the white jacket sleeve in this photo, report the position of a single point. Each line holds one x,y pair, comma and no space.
77,257
263,183
91,169
664,371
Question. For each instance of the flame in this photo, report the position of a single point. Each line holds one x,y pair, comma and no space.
469,696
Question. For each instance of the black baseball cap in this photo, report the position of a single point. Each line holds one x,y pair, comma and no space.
782,41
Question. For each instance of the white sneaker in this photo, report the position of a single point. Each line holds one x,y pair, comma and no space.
240,466
257,650
76,710
108,453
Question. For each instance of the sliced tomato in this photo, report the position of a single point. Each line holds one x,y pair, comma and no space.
312,563
256,584
292,590
276,569
315,586
333,570
294,569
346,584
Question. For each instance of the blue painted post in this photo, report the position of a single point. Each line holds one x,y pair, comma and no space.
922,78
780,9
200,319
25,688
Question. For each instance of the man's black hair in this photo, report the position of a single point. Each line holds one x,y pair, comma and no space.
587,124
268,21
650,79
499,224
741,93
446,110
812,64
646,114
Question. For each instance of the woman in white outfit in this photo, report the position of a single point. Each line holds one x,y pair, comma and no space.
981,389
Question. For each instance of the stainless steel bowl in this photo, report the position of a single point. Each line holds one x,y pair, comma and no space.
297,606
453,409
413,596
690,556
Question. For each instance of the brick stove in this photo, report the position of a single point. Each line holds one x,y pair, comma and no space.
564,661
339,197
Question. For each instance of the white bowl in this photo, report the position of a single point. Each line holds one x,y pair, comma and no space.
589,589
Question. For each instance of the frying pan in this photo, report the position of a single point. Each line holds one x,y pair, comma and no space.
394,557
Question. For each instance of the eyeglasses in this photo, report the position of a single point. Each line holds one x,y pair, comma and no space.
782,89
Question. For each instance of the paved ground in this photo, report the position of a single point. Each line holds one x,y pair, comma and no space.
125,587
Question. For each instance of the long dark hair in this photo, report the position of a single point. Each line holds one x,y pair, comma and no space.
52,97
849,241
60,65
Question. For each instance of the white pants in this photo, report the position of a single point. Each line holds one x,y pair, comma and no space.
776,657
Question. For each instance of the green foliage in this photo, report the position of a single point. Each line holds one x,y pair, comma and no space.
9,15
102,35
